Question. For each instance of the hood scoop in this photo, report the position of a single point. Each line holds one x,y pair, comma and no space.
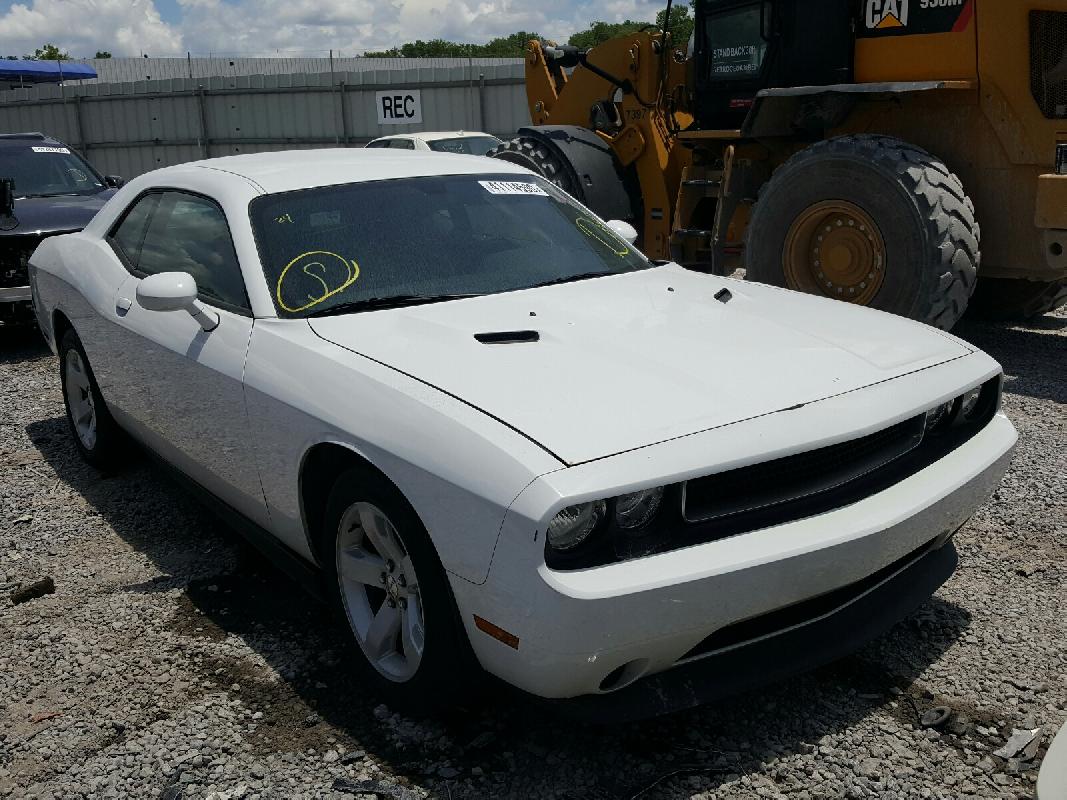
508,337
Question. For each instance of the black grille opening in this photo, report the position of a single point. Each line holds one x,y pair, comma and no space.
1048,62
15,252
806,611
813,472
788,484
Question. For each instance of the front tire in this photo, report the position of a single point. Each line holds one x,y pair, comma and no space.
870,220
96,434
394,593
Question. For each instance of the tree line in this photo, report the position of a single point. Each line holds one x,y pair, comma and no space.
512,46
51,52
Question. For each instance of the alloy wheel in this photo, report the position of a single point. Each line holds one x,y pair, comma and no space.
380,591
80,399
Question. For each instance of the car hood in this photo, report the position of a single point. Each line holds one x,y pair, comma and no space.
631,360
38,215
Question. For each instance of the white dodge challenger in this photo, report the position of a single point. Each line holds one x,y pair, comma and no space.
503,439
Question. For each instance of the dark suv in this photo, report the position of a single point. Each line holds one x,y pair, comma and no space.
45,188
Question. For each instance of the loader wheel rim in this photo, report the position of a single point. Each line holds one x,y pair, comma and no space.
835,249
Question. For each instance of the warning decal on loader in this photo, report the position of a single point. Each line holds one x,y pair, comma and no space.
909,17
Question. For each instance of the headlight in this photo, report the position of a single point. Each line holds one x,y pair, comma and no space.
572,526
939,418
969,404
636,509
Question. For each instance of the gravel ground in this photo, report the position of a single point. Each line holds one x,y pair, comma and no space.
172,662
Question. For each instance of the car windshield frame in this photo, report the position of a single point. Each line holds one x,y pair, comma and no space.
595,244
42,150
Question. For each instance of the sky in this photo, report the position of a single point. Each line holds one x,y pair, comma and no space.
288,27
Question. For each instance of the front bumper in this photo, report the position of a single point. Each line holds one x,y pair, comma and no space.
796,649
15,294
597,631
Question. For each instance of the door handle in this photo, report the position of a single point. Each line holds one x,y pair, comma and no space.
122,305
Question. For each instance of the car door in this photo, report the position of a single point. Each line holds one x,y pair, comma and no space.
194,415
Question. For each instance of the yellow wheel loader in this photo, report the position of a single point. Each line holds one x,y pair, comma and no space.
899,154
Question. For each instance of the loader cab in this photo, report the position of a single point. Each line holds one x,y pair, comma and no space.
743,46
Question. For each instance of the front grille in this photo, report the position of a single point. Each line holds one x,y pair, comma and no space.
817,481
15,252
771,483
771,493
1048,62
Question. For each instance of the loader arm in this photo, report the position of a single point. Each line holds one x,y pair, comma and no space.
616,90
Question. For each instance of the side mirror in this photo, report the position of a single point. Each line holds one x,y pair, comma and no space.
114,181
174,291
624,230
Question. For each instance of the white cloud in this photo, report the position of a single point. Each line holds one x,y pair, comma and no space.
474,21
81,27
263,27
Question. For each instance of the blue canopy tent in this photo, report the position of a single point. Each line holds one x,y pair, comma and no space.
20,72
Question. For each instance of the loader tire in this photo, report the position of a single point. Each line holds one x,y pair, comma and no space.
1015,298
525,151
900,232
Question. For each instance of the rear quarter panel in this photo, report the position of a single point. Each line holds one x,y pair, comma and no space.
77,275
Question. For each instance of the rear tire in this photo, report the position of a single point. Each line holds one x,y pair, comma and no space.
96,434
389,582
1013,298
926,227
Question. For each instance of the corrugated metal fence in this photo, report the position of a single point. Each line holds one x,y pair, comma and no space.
122,70
130,128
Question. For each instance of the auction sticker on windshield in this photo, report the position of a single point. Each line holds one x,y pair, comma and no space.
513,187
51,150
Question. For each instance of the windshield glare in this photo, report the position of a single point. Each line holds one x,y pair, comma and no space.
468,145
44,170
447,235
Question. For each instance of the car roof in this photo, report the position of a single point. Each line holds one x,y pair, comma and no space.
433,136
32,137
303,169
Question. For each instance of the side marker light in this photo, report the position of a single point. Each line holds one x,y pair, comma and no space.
498,633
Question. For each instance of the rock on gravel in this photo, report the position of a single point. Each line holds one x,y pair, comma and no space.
172,662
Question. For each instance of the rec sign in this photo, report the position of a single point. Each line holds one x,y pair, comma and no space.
400,107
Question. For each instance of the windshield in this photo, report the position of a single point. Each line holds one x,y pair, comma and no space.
427,237
468,145
45,170
736,44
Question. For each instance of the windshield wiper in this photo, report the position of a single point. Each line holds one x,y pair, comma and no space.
571,279
392,301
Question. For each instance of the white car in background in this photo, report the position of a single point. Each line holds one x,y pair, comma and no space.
506,439
469,143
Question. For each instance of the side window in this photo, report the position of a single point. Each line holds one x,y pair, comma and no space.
735,43
380,143
189,234
129,235
402,144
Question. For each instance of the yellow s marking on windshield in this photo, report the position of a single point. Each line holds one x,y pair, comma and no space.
333,273
602,234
